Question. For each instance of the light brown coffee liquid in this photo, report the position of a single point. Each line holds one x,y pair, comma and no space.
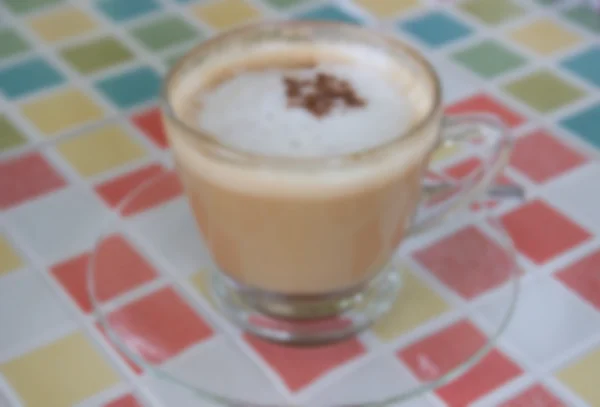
299,231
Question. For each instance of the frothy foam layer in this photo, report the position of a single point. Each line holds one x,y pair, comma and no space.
252,112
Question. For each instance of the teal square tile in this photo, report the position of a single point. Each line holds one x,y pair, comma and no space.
96,55
585,17
492,11
131,88
585,124
27,77
436,28
11,43
329,13
125,10
25,6
165,32
586,65
544,91
489,59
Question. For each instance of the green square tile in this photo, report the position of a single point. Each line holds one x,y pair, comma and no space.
489,59
23,6
492,11
96,55
11,43
284,3
583,16
164,33
544,91
10,136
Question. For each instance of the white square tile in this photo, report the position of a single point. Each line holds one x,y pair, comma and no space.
457,84
60,225
548,321
29,312
169,231
380,378
220,367
577,194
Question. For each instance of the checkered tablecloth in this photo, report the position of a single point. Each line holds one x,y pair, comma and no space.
79,128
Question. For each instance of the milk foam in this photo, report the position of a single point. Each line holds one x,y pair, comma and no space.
250,112
246,110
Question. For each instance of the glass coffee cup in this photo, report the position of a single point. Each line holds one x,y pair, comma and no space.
302,229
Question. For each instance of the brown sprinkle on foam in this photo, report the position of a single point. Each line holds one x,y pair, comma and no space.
320,94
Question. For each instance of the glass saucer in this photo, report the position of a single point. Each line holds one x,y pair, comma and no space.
148,281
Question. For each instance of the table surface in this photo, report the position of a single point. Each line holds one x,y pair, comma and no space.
79,125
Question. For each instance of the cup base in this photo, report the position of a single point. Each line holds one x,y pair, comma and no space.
307,320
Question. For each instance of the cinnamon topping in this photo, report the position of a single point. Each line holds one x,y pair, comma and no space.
320,94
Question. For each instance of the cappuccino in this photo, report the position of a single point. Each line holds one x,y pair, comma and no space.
330,223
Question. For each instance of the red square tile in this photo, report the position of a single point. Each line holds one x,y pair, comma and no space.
445,350
26,177
119,268
299,366
533,397
584,278
541,232
541,157
485,104
467,261
115,190
117,347
165,319
150,123
164,186
493,371
467,168
125,401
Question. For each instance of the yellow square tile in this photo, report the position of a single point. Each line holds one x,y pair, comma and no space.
387,8
9,259
64,23
224,14
201,283
61,111
583,377
61,374
100,150
415,305
443,152
545,37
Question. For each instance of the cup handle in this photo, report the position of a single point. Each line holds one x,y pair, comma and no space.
492,135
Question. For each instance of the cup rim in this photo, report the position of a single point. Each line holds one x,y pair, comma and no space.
212,146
